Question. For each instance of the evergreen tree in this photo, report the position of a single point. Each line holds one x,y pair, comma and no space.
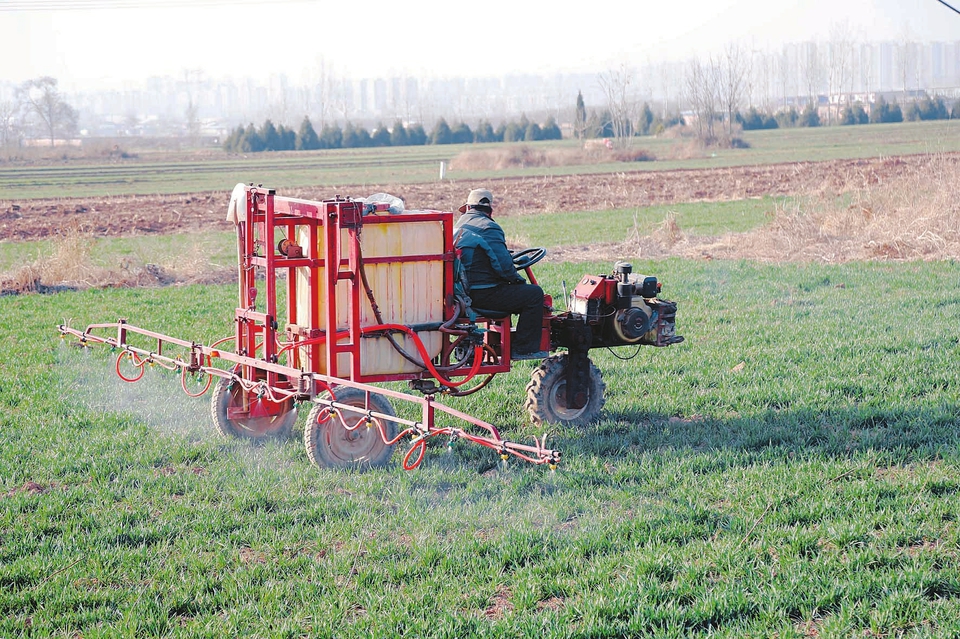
232,143
854,114
350,138
932,109
593,127
250,141
550,130
786,119
646,120
912,112
363,137
523,124
398,136
532,132
580,118
331,137
269,136
606,125
513,132
751,121
381,136
288,138
307,138
876,111
754,120
461,134
884,112
416,135
485,132
441,133
809,117
894,114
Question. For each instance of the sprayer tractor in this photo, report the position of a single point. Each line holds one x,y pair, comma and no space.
367,296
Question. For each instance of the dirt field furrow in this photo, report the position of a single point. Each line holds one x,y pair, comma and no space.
165,214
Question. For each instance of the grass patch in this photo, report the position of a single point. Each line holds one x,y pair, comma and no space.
82,261
695,218
788,470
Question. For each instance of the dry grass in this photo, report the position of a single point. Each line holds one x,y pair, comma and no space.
668,233
915,216
526,157
70,266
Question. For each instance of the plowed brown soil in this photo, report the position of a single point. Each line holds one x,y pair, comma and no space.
164,214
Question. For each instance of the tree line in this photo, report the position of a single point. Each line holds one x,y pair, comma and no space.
881,112
271,137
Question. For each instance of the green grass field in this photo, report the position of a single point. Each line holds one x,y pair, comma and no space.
790,470
615,225
189,173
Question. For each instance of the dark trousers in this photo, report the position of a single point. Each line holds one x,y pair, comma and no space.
525,299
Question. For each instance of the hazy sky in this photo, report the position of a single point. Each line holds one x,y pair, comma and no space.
113,43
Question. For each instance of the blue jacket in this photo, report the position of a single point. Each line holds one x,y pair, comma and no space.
483,251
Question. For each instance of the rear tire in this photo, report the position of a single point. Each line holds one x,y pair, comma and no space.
330,445
229,394
547,395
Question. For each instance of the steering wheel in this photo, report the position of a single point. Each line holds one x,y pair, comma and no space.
527,257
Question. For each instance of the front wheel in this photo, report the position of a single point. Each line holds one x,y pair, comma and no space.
332,442
547,394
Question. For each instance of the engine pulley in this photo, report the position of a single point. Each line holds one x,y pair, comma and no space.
633,323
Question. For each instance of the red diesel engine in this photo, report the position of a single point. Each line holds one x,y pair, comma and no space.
623,309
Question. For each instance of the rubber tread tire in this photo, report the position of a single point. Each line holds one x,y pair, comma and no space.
316,435
547,381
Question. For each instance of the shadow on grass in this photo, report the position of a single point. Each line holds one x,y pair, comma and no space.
902,434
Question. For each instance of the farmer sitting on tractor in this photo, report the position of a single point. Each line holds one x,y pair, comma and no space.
492,280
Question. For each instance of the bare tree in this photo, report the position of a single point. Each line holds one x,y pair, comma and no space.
341,96
811,71
734,75
9,122
868,68
702,86
762,72
782,70
192,79
42,100
909,62
324,90
580,118
617,86
839,59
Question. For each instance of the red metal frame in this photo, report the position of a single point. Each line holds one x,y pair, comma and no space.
256,361
266,211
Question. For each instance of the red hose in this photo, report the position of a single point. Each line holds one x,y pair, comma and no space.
477,352
183,381
420,446
136,363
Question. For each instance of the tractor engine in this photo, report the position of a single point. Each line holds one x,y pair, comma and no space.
623,309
